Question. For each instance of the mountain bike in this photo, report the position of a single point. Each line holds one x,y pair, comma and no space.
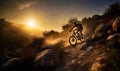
76,35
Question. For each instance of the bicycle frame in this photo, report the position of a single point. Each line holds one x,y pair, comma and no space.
75,33
75,36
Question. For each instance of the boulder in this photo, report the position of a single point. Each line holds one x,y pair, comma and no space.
14,64
46,60
114,40
98,31
4,58
98,64
116,25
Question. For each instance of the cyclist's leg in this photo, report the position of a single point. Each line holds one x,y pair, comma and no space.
80,31
79,34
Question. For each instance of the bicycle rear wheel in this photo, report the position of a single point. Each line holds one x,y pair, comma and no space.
82,38
73,40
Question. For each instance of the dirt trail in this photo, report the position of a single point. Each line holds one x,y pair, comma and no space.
80,59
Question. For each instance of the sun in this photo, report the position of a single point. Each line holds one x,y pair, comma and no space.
31,23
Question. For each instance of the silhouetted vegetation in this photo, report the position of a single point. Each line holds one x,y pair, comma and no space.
51,34
112,11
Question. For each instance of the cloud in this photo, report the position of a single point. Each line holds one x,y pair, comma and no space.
26,5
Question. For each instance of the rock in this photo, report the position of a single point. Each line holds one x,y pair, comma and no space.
46,60
110,37
98,64
14,64
4,58
98,31
110,31
116,25
102,30
114,40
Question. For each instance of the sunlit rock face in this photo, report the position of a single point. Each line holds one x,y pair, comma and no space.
114,40
98,64
46,60
98,31
116,25
14,64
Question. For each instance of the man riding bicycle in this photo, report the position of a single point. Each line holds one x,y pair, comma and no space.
77,26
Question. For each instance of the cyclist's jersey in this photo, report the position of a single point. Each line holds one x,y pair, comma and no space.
79,26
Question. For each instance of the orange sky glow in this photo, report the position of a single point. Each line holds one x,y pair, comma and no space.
50,14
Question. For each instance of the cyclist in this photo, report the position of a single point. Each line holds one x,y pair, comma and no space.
77,25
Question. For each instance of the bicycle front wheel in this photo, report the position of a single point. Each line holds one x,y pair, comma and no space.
73,40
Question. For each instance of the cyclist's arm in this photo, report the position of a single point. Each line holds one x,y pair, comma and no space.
75,29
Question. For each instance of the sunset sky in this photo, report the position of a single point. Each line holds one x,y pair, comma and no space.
50,14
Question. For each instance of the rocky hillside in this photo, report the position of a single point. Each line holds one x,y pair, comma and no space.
100,51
